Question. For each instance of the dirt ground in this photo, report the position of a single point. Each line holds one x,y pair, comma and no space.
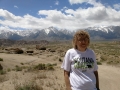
49,80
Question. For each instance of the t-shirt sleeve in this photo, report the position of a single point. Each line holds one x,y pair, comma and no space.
66,62
95,62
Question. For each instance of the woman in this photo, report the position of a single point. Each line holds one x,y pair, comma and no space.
80,67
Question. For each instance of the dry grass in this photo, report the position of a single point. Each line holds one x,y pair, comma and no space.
41,70
109,52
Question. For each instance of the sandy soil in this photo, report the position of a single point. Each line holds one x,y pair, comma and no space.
109,75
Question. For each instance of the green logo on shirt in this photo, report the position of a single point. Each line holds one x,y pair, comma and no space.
83,63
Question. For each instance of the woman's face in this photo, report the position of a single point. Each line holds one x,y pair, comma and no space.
82,43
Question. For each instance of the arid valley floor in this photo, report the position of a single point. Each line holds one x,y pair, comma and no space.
40,69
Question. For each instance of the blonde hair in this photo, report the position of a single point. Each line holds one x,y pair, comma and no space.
78,35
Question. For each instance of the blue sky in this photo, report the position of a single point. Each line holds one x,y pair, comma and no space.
62,14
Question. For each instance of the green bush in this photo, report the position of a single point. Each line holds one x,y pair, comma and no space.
99,63
2,72
50,68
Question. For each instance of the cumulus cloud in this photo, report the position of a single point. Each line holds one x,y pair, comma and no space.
7,15
65,18
117,6
26,22
92,2
82,18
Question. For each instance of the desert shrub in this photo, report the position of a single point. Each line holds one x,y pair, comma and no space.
47,65
44,66
60,60
18,51
2,72
110,62
118,61
28,86
103,58
42,48
30,69
18,68
50,68
52,50
8,69
22,63
40,67
30,51
55,64
1,59
99,63
113,62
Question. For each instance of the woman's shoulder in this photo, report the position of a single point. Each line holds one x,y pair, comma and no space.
90,50
71,50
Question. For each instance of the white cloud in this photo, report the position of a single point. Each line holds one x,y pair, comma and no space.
7,15
56,2
65,18
77,1
117,6
92,2
82,18
15,6
27,21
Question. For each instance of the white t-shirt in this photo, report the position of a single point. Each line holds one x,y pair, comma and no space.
81,66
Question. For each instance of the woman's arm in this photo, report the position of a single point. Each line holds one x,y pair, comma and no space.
97,79
67,81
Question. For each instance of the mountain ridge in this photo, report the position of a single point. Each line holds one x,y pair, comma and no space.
51,33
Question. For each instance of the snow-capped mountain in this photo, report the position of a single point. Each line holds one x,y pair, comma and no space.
51,33
110,32
102,28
